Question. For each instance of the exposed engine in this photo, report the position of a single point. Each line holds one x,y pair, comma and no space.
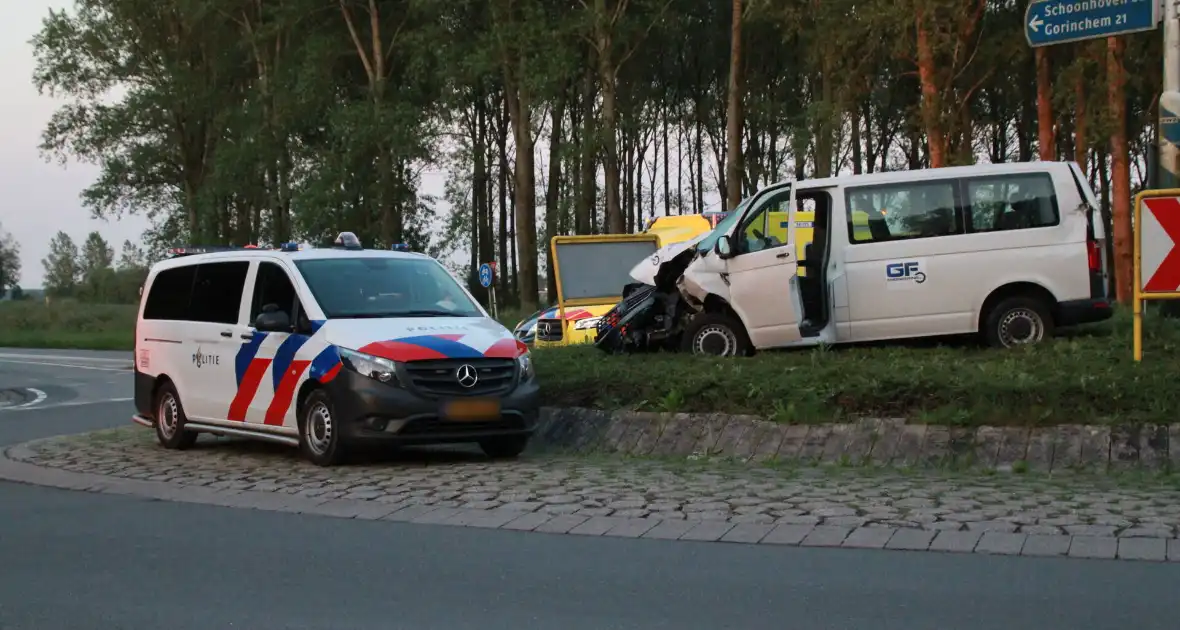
650,317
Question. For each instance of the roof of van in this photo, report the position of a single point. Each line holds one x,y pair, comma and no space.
931,173
303,254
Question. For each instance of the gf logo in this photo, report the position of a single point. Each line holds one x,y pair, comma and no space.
909,270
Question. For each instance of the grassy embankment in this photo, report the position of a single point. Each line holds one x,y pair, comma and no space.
1086,377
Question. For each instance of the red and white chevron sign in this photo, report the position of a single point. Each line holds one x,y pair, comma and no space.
1159,238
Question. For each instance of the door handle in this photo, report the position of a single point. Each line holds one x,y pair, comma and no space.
784,255
227,334
247,335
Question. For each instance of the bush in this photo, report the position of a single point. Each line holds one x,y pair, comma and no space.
1089,377
67,324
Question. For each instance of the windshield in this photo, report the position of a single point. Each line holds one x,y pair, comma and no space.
723,226
366,287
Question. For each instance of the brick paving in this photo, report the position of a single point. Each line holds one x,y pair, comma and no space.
1126,516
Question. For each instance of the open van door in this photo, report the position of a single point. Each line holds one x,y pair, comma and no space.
761,271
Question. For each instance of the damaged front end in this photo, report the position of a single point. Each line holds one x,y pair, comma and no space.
654,309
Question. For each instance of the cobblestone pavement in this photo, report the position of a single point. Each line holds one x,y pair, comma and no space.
1127,516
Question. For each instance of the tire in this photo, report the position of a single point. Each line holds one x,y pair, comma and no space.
715,334
504,447
320,439
1017,321
170,420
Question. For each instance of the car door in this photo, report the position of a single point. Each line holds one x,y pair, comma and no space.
763,286
216,311
266,367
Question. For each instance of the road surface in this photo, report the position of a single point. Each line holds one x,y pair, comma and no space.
79,560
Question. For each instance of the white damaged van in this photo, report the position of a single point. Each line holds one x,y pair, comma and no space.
1006,251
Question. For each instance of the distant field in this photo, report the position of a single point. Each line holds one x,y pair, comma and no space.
67,324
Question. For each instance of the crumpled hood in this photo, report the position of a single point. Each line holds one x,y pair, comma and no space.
416,339
649,268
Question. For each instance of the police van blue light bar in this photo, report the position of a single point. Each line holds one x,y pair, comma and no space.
400,247
347,240
289,247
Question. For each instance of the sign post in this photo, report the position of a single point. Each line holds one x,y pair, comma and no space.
487,278
1049,22
1157,253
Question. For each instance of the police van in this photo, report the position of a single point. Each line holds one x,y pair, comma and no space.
326,349
1006,251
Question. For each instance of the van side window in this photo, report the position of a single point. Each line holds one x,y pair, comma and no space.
217,292
894,212
171,292
765,227
1011,202
273,286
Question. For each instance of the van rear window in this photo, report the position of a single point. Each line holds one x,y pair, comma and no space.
1011,202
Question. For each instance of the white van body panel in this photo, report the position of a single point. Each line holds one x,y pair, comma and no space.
920,286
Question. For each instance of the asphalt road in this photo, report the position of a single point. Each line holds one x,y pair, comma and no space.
76,560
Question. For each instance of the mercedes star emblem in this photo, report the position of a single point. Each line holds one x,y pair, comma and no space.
466,376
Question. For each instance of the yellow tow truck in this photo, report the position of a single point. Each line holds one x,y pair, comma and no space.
591,271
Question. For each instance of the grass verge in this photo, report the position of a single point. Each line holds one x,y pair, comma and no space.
67,324
1088,377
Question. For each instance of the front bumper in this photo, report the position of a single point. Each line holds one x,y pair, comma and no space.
369,410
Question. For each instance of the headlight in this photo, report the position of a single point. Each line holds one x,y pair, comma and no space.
526,366
589,322
368,365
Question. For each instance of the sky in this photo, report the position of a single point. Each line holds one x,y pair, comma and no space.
40,198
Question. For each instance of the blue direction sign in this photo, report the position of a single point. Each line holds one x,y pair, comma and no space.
1049,22
485,275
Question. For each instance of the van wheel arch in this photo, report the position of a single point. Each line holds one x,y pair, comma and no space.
1035,296
161,380
305,390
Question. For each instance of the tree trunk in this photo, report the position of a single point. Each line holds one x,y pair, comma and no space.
502,145
699,202
857,169
667,176
479,178
520,109
586,172
931,105
553,193
1046,143
1120,169
615,222
733,114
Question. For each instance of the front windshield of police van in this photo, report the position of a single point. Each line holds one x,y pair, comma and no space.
707,243
370,287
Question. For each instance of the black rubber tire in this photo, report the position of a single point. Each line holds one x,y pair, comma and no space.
335,452
504,447
168,402
1033,311
737,342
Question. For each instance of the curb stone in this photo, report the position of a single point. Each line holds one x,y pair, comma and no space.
506,518
876,441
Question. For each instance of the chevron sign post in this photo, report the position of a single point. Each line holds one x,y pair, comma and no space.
1157,252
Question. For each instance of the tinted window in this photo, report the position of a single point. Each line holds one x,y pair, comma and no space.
385,287
170,294
217,293
902,211
1011,202
273,286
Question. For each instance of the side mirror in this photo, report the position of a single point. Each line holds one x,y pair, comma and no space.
722,247
272,321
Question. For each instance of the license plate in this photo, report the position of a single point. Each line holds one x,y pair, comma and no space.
471,410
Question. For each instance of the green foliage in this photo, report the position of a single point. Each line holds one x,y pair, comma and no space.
9,262
1086,378
90,275
66,324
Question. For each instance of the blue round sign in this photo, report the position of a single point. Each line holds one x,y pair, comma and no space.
485,275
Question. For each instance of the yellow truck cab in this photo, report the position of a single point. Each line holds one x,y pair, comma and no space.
591,271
